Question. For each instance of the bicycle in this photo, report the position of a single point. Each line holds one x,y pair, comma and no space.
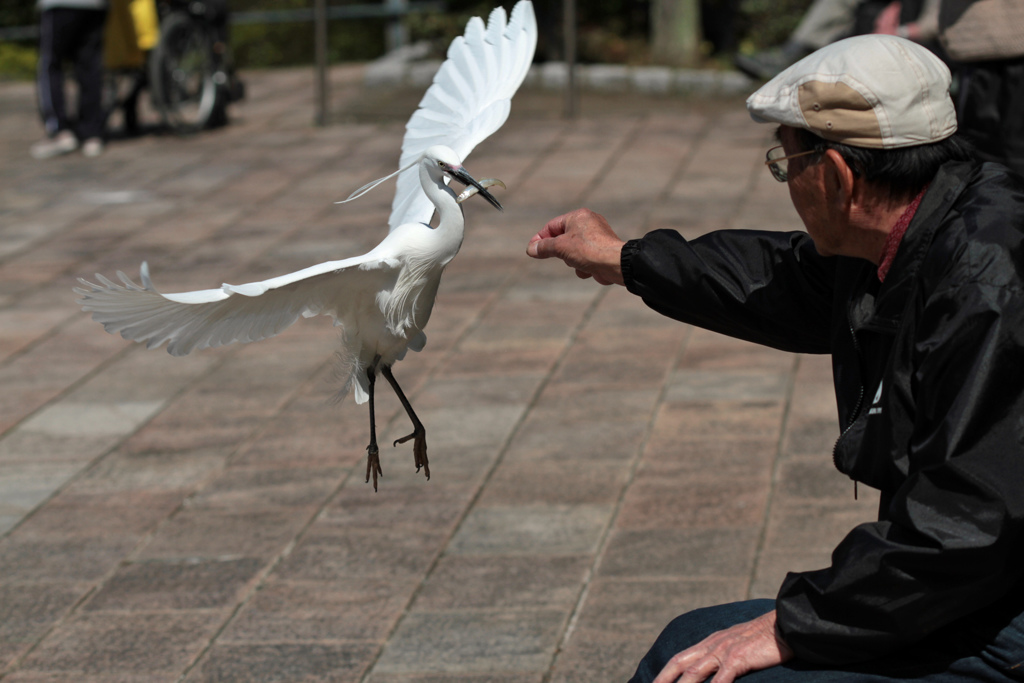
187,68
191,75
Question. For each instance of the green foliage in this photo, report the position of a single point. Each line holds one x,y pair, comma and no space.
437,27
608,30
17,13
263,45
615,31
766,23
285,44
440,28
17,62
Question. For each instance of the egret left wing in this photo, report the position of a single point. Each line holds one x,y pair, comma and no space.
469,99
236,313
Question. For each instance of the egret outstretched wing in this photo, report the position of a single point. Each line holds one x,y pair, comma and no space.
242,313
469,99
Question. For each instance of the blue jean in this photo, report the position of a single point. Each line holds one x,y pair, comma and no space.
954,656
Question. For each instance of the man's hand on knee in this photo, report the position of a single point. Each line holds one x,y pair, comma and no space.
728,654
585,241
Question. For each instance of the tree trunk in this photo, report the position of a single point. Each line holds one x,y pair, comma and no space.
675,31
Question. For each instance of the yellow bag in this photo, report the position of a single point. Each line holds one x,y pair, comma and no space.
132,29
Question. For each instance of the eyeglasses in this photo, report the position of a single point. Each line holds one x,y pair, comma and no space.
778,164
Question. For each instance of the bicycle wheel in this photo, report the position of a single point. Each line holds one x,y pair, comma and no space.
182,74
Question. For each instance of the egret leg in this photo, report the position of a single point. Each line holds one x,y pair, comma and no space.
372,452
419,448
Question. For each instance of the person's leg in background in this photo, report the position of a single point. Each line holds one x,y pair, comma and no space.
89,73
824,22
53,39
990,109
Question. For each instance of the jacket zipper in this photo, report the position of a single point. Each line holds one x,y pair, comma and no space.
856,409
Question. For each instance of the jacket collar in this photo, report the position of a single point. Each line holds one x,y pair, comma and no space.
890,298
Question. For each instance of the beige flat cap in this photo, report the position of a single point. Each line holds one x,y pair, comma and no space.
874,91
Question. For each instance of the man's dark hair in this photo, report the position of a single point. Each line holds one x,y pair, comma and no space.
904,171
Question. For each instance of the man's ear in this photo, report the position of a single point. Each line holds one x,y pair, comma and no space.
839,181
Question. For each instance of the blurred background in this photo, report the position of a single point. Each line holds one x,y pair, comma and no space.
609,31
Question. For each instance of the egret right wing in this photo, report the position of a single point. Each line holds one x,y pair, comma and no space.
469,99
243,313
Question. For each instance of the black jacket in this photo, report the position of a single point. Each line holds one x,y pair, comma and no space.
929,378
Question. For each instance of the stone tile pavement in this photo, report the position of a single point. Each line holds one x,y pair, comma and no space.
597,469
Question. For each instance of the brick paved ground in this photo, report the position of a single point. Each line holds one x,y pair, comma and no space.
597,469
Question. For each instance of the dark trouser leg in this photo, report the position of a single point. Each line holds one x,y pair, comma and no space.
952,655
89,73
693,627
50,74
990,110
131,102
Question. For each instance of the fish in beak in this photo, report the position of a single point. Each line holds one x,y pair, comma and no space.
473,187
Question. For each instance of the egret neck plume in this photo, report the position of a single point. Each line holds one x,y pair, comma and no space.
382,300
372,184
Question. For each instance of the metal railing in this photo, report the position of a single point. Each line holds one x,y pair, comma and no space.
385,10
363,11
321,13
18,33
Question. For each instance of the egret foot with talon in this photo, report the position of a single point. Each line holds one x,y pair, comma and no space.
373,464
419,448
372,452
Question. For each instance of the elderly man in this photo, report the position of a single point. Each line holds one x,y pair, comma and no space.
911,275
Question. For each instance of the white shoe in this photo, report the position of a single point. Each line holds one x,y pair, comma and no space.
93,147
64,142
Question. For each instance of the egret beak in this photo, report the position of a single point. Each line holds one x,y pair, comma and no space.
463,177
472,189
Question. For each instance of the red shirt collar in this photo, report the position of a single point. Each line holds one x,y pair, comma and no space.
895,236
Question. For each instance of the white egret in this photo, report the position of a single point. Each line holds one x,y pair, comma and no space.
383,299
